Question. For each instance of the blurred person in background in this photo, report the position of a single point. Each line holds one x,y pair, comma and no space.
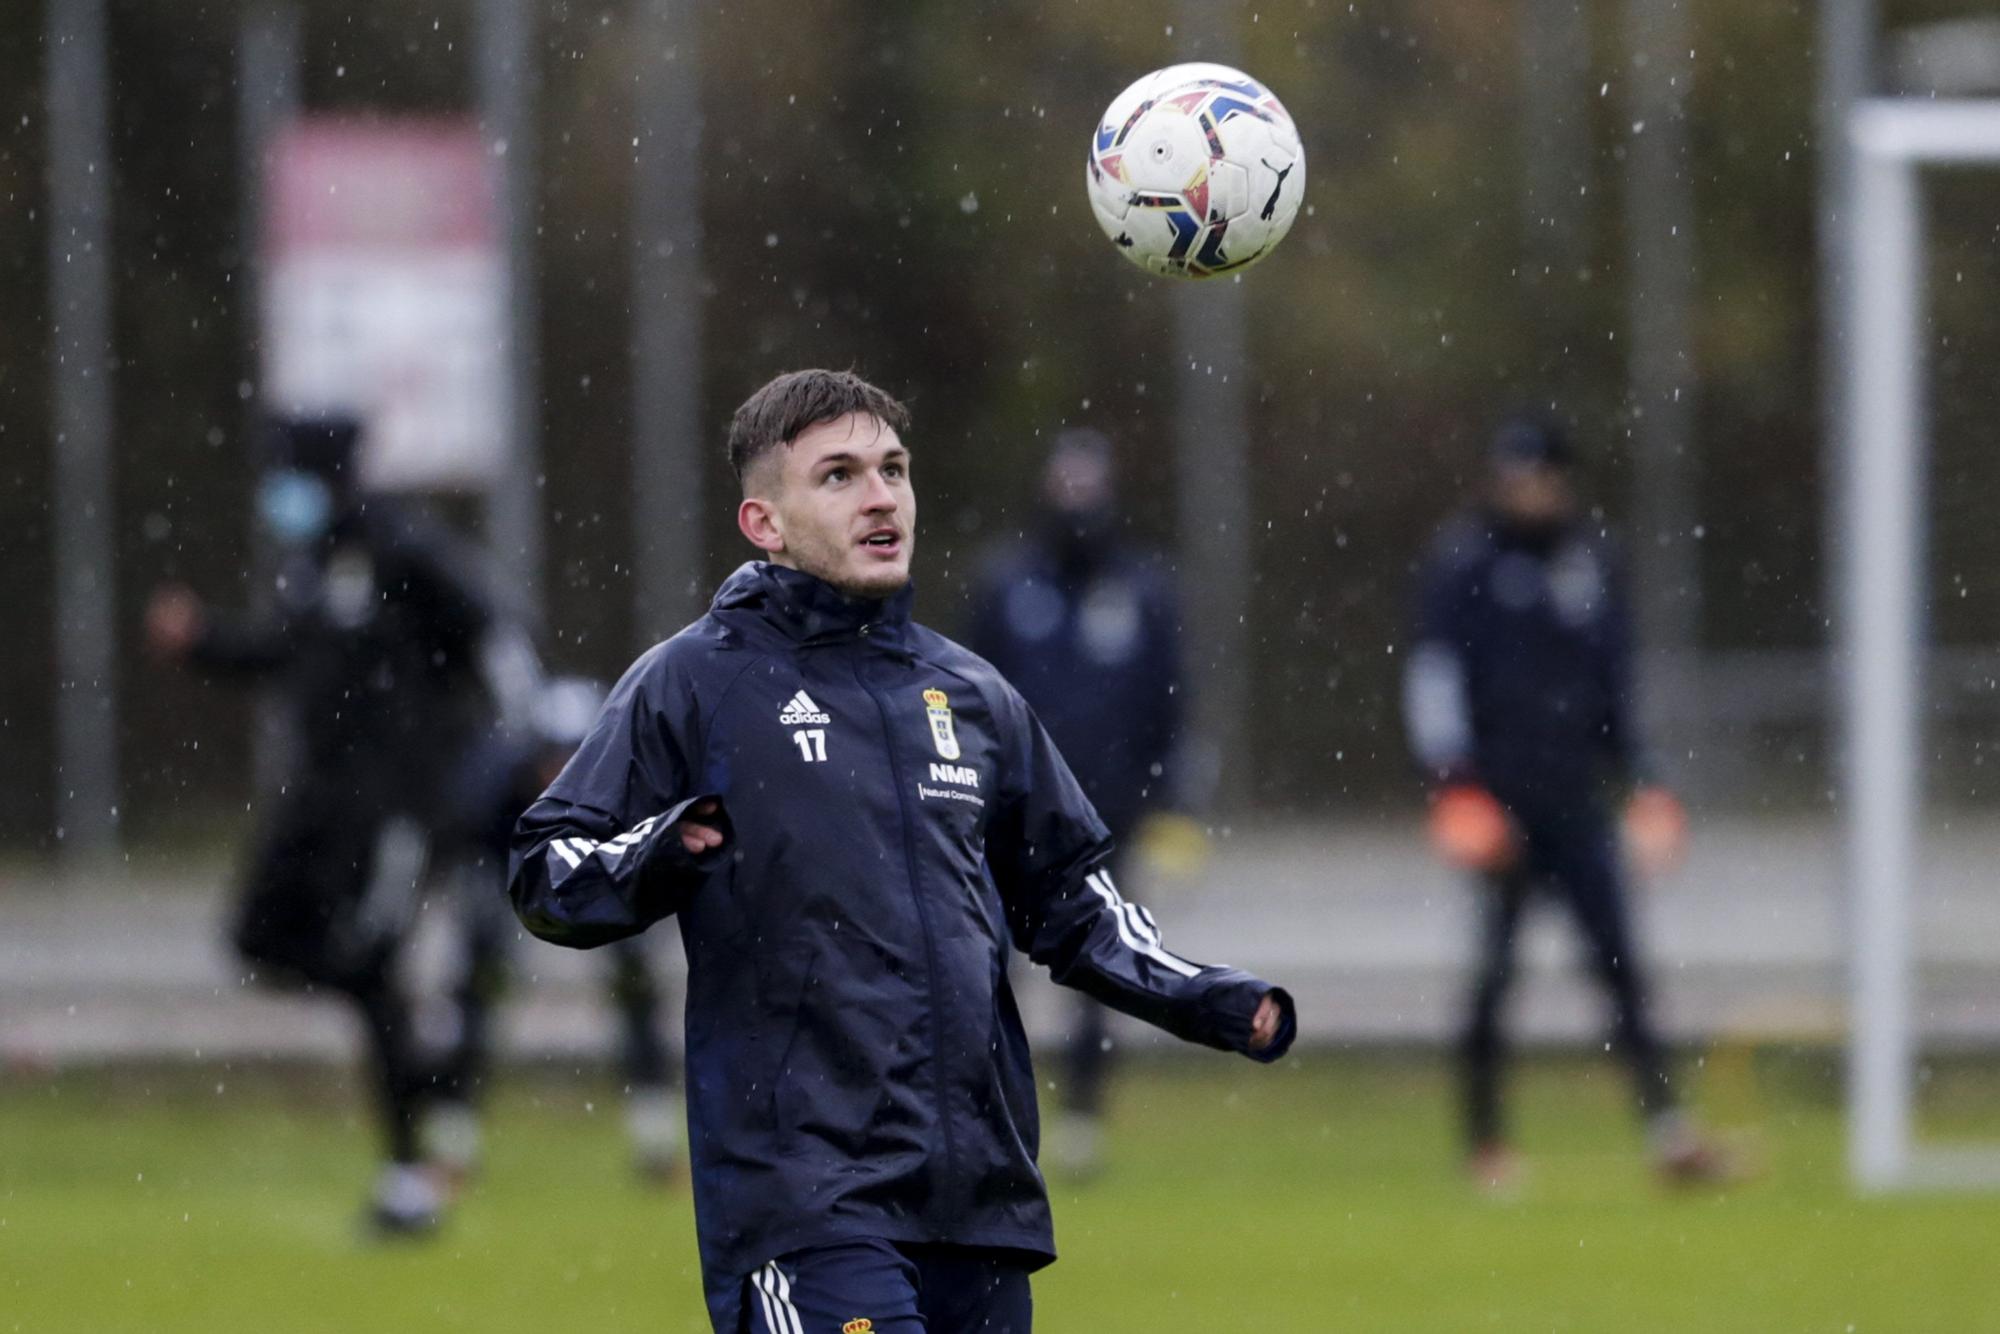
1519,705
501,778
1086,627
380,634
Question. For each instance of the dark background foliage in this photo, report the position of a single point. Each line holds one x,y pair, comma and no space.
897,186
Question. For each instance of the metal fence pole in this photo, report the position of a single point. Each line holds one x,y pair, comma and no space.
669,450
1663,374
1212,480
86,639
267,97
509,86
1555,131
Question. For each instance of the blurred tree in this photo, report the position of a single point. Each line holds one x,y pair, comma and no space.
897,186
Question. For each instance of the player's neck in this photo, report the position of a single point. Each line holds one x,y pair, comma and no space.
806,606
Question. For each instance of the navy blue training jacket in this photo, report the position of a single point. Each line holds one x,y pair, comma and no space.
895,817
1521,677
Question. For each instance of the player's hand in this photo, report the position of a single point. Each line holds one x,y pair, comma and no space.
697,837
1269,1019
1655,830
1471,829
1267,1023
175,622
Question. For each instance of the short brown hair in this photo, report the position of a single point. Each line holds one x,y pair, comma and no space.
785,408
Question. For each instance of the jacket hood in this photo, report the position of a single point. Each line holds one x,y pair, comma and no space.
806,608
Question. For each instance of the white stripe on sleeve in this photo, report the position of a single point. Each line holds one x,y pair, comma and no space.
1437,706
574,850
1135,927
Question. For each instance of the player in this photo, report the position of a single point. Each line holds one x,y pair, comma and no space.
380,641
504,773
1518,701
1086,629
853,817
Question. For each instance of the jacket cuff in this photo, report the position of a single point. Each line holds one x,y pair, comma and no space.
665,853
1232,1001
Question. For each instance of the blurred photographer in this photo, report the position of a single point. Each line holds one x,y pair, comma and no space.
390,656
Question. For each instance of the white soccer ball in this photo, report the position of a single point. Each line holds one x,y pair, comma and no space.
1196,170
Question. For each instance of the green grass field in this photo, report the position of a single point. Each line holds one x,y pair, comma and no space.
1319,1195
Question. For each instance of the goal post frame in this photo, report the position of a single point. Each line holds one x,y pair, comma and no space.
1884,452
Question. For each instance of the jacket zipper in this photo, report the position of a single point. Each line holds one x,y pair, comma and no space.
923,919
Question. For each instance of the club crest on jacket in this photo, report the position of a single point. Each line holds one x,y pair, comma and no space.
938,706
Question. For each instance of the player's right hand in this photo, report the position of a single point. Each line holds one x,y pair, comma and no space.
1471,829
697,837
1264,1025
175,621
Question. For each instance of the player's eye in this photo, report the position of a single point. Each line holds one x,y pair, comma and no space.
835,475
894,470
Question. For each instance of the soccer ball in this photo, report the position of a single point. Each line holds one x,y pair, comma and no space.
1196,170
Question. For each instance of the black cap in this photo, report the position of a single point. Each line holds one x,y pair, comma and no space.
323,446
1530,438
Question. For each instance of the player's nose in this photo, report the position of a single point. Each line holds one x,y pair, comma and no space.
880,497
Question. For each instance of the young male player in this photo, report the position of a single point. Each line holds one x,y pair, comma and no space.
853,818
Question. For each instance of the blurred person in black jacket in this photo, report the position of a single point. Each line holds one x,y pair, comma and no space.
380,636
1519,704
1085,625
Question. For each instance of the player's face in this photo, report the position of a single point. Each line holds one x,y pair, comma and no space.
1533,493
840,506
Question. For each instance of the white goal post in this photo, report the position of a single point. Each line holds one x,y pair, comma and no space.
1883,628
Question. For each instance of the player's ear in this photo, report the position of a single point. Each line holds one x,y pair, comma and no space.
757,520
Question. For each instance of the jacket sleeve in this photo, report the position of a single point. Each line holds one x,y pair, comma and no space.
1624,739
598,858
1437,699
243,645
1049,854
471,621
441,573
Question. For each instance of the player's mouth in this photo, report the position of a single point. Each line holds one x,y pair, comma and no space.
884,542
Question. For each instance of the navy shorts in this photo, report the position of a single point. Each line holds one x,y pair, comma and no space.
881,1287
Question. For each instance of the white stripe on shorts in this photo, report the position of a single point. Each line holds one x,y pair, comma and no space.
776,1292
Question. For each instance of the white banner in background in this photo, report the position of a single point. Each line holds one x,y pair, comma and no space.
384,293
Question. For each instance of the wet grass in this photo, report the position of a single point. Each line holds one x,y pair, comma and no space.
1321,1195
